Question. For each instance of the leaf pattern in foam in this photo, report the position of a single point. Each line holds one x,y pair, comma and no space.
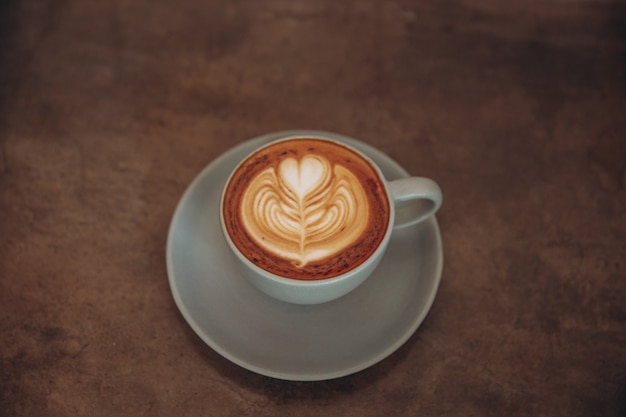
305,210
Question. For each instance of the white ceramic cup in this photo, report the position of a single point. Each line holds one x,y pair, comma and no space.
412,200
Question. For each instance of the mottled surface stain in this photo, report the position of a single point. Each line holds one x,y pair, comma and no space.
4,165
607,157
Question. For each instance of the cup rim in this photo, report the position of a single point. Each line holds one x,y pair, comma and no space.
322,282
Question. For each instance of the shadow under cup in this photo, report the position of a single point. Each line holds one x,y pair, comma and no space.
412,199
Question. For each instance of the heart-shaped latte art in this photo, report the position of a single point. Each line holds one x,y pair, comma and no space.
305,210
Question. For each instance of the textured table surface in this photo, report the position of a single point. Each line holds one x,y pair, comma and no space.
108,109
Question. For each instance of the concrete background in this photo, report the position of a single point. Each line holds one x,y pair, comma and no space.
109,109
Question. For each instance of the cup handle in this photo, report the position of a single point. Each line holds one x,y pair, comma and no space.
415,199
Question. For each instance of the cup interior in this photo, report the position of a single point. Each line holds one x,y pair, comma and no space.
357,270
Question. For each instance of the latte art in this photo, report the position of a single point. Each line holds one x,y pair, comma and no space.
305,210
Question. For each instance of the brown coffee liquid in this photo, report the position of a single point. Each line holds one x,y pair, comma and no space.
306,209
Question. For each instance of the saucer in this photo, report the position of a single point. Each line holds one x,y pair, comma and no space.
289,341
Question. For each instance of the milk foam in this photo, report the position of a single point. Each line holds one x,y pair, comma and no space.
305,210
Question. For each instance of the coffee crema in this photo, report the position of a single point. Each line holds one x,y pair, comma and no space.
306,209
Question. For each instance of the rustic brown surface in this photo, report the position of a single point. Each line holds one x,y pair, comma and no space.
109,108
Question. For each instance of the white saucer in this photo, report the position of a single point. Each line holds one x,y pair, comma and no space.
288,341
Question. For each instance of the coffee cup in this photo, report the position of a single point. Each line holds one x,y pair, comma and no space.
309,217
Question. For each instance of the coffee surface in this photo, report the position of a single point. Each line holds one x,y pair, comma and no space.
306,209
